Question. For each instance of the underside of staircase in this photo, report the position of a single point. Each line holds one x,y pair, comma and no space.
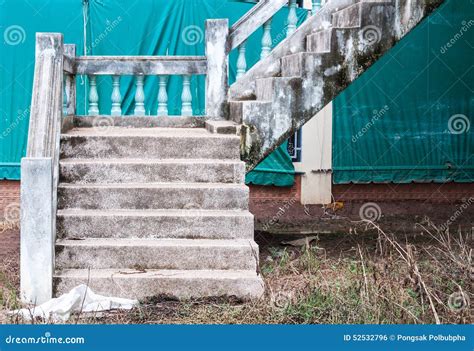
143,206
148,210
311,67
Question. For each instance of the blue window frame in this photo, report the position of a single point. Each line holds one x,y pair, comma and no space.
294,146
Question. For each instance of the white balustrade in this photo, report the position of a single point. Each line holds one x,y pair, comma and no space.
292,18
266,39
242,60
186,97
162,96
116,97
139,97
93,97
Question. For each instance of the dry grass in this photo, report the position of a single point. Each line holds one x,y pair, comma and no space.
368,276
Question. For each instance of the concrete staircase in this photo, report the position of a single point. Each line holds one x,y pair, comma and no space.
154,211
311,67
158,205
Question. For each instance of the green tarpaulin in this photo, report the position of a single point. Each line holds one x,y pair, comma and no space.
410,116
118,27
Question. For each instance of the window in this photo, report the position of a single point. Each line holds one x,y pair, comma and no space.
294,146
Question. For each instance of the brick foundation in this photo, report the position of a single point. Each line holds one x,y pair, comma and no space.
275,210
9,237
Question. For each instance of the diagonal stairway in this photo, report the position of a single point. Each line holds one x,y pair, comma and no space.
311,67
154,211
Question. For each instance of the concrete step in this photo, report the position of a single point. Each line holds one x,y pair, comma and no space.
156,254
223,127
85,171
208,196
247,110
182,284
300,64
321,42
148,143
361,14
275,88
157,224
139,122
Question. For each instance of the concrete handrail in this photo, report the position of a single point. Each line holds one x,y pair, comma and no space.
253,20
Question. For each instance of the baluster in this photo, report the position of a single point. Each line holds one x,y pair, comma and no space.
163,97
65,95
242,61
116,97
186,97
139,97
93,97
316,6
292,18
266,39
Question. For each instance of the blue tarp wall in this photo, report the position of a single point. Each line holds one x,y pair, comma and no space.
409,118
118,27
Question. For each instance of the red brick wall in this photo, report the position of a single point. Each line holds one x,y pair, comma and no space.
260,193
9,238
429,192
9,193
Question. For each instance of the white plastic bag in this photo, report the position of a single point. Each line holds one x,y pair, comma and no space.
80,299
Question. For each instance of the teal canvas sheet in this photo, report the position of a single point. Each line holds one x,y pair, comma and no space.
409,118
119,27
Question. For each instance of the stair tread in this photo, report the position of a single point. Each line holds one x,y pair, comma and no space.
147,161
145,132
156,273
152,242
151,185
154,212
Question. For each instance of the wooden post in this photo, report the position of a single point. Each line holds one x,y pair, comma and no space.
217,84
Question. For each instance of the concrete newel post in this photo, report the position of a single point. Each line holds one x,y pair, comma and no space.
217,82
39,170
70,50
37,225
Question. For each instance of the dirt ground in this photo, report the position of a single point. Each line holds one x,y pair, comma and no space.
367,276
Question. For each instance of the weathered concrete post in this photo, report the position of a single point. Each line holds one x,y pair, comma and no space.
37,239
217,84
70,51
39,171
